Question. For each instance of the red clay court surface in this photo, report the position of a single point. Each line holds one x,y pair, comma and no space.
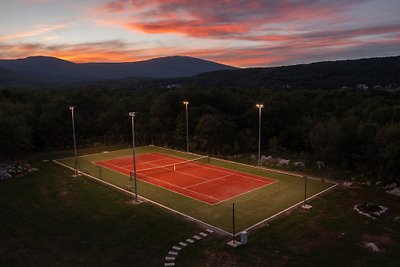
203,182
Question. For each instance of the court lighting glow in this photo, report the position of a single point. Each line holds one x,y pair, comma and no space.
132,115
186,103
260,107
72,108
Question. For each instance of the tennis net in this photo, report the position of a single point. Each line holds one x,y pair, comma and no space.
173,167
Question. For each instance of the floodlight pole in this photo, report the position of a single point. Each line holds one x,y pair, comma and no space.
260,107
186,103
132,115
72,108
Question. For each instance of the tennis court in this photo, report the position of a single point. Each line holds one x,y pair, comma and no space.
191,178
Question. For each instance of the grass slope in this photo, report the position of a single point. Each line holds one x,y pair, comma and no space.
331,234
49,218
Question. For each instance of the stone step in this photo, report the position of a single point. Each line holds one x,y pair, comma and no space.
190,240
210,231
183,244
170,258
169,264
173,253
196,237
203,234
176,248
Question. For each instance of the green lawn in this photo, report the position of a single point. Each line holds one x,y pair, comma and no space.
48,218
330,234
251,208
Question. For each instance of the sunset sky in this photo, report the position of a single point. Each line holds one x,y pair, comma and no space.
239,33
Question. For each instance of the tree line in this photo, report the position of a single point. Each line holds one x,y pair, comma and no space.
351,130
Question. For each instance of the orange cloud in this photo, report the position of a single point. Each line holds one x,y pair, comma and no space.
219,19
262,55
243,32
192,28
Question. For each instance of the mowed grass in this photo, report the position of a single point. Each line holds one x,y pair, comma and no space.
49,218
330,234
250,208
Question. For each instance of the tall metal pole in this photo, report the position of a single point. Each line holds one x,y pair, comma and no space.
132,115
259,106
73,135
186,103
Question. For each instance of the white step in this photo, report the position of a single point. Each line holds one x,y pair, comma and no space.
196,237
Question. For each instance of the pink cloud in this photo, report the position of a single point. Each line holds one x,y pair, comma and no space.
191,17
250,33
263,55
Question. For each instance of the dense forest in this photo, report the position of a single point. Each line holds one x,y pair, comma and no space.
352,130
372,72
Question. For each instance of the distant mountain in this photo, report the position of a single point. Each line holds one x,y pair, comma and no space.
197,73
372,72
50,70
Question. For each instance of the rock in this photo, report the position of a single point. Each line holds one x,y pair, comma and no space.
11,169
347,184
298,164
372,246
395,191
320,164
283,162
390,186
253,156
370,210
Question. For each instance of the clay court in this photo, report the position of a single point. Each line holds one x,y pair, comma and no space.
194,179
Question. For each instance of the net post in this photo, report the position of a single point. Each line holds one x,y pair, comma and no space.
100,172
305,190
130,176
233,222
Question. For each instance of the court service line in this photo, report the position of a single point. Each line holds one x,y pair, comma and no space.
188,174
239,173
251,190
206,181
203,166
146,199
182,188
175,192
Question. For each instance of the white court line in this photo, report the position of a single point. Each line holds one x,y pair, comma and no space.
146,199
149,177
283,211
230,162
118,167
165,182
207,181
